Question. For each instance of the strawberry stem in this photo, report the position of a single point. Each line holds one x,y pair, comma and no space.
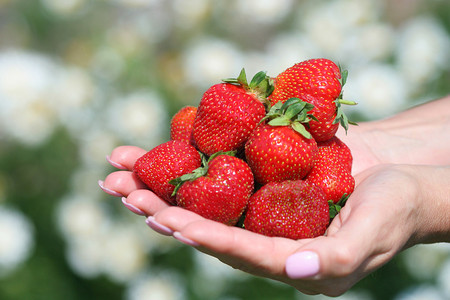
199,172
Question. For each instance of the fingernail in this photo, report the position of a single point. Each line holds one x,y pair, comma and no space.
151,222
302,264
132,208
114,164
108,191
185,240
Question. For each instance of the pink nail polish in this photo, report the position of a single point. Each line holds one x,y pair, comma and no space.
153,224
107,190
114,164
185,240
132,208
302,264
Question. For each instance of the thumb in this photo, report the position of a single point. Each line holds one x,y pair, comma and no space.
347,251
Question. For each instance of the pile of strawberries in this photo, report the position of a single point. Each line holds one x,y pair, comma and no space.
262,154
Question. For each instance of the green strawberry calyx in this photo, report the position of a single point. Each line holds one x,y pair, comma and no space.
197,173
340,115
293,112
335,208
261,85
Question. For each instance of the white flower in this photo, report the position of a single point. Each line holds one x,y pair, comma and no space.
95,144
261,11
379,90
64,7
96,244
214,275
369,42
139,118
26,113
79,216
422,292
207,61
124,254
280,57
16,239
161,285
107,63
425,261
422,50
190,13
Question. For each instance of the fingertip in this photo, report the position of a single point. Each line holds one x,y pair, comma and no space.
302,264
109,191
125,156
115,164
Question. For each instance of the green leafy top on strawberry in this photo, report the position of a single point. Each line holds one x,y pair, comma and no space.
261,85
340,115
197,173
293,112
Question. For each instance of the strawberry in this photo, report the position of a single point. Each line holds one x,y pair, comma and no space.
228,112
332,170
165,162
182,123
291,209
282,149
218,191
343,151
319,82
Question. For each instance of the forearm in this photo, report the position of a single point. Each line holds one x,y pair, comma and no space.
433,218
420,135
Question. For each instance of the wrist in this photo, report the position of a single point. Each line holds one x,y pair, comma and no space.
433,204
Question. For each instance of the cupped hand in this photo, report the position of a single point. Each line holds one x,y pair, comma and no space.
375,224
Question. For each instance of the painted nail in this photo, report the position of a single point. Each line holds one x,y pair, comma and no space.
153,224
107,190
302,264
185,240
114,164
132,208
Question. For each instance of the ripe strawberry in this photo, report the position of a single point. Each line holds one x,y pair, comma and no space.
278,150
182,123
228,112
343,151
332,171
166,162
291,209
319,82
219,191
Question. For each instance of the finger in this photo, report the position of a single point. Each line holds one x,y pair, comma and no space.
239,248
121,183
146,201
124,157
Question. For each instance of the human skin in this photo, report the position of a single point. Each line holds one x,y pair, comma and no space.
402,172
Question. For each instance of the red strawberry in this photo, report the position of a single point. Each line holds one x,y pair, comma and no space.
228,112
220,191
332,171
343,151
279,150
182,123
292,209
319,82
164,163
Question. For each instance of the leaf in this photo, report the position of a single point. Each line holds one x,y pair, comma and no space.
257,79
280,121
336,208
294,110
300,128
242,78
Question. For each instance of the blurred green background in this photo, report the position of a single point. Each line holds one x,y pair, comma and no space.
79,77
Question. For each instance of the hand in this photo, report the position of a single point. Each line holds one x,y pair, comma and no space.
378,221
